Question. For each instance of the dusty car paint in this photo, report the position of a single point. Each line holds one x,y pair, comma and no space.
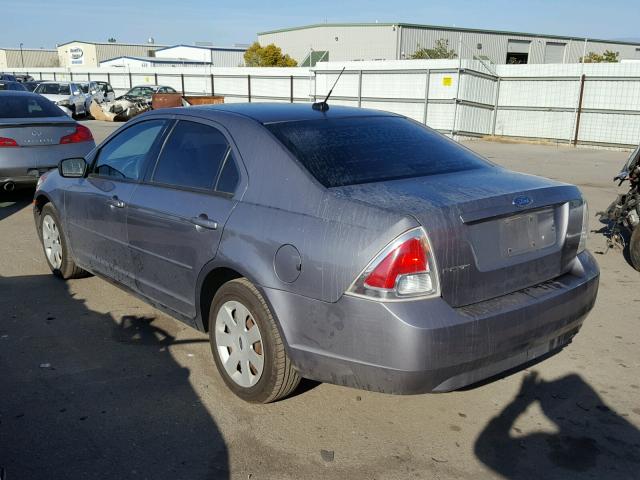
494,312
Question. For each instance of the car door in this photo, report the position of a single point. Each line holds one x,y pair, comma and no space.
176,217
96,206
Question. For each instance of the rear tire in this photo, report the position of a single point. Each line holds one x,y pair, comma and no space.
253,363
54,245
634,248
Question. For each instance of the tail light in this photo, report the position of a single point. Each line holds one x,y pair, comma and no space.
82,134
8,142
403,269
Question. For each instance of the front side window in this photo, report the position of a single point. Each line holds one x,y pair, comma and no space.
192,156
123,157
348,151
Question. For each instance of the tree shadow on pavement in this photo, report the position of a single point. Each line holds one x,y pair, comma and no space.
592,441
87,397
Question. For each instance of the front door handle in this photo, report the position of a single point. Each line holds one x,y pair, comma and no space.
115,202
202,221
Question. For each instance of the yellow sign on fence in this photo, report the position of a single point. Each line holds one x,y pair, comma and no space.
447,81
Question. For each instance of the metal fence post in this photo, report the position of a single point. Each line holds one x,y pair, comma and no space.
359,88
70,75
579,110
495,108
130,80
426,96
213,90
54,75
291,89
40,75
182,82
249,87
456,101
155,78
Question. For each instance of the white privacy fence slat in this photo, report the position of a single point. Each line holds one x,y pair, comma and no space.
586,104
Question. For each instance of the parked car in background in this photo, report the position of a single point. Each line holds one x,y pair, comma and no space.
65,94
144,93
34,136
23,78
10,85
30,86
98,91
8,77
346,245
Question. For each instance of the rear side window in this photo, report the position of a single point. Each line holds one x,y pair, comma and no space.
28,106
123,157
54,89
192,156
348,151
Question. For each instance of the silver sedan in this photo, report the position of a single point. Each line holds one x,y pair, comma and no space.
34,136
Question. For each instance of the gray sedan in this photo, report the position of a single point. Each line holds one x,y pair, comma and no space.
34,136
348,246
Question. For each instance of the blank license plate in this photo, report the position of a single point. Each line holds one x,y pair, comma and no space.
527,232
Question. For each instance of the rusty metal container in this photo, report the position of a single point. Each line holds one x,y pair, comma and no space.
171,100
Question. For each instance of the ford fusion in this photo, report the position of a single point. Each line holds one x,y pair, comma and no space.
343,245
34,136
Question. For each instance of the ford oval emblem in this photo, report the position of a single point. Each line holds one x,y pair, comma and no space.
521,201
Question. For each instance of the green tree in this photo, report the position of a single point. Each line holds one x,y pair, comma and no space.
441,50
267,56
608,56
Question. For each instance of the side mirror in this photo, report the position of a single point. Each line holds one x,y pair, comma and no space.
72,167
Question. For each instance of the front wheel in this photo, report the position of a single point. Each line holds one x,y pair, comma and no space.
634,248
55,247
246,345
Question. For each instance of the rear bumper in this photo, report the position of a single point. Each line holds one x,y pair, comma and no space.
425,345
23,165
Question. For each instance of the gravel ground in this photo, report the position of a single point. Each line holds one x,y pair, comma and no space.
96,384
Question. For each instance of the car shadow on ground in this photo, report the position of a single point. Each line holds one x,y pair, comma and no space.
86,395
590,439
13,202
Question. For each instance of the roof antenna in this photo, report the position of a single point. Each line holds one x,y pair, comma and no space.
323,106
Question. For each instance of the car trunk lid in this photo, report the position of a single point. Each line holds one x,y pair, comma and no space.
492,231
31,132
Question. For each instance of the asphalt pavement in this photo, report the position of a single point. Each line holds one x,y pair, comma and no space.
97,385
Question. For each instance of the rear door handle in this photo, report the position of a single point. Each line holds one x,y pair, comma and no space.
115,202
202,221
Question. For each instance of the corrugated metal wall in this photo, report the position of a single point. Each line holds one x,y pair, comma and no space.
495,45
32,58
105,51
227,58
375,42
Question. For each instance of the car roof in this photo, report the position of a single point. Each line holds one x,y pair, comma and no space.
285,112
60,82
19,93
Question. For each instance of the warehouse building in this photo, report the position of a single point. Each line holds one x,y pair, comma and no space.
145,62
397,41
214,56
89,54
27,58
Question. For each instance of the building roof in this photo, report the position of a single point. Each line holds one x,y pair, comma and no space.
157,59
223,49
113,43
452,29
24,49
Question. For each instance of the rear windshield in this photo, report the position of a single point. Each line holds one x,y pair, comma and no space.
28,106
348,151
54,89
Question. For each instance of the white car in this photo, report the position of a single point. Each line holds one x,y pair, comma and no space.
98,91
64,94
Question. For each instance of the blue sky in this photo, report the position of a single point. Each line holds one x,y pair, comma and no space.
43,23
